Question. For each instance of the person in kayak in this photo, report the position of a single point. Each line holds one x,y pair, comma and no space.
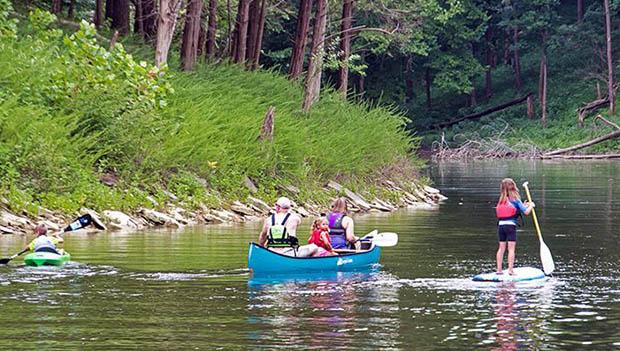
320,237
341,226
43,242
279,232
508,209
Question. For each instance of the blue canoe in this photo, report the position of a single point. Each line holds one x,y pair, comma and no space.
264,261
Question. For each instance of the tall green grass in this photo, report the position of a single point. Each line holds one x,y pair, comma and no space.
71,111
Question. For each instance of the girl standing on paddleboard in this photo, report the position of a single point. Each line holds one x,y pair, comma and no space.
508,209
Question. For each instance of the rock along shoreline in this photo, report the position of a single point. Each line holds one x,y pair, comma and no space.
409,195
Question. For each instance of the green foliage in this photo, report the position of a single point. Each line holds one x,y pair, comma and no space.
8,25
72,110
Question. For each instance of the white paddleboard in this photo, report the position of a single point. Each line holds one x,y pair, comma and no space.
521,274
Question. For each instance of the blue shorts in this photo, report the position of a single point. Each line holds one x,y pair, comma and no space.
507,232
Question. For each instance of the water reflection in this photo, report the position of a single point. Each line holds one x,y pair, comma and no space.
325,310
506,317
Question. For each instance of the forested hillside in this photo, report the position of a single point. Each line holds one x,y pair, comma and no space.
521,70
152,96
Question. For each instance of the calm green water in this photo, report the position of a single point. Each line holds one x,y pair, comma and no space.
162,290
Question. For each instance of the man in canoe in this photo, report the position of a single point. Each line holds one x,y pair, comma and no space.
279,232
44,243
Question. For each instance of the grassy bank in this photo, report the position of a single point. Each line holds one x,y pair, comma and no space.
75,115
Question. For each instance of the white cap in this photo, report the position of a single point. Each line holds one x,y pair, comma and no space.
284,202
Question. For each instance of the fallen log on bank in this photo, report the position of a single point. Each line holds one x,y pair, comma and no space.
594,141
592,106
582,157
484,113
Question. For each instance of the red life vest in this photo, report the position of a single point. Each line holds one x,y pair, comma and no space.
315,238
505,210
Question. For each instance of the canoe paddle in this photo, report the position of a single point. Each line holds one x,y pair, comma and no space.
8,259
384,239
545,253
78,223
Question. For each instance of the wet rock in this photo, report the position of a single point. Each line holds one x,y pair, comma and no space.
159,218
96,218
430,190
120,220
379,207
241,209
357,200
302,211
10,220
261,205
211,218
6,230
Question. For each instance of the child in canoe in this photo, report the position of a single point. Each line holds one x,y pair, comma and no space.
320,237
508,209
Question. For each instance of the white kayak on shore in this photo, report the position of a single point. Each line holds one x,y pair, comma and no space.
520,274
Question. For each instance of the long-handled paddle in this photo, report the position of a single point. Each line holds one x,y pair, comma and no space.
384,239
78,223
8,259
545,253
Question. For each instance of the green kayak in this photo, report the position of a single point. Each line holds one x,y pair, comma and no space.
46,258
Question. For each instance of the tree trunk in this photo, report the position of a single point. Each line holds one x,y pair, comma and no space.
211,29
56,6
259,38
409,92
543,89
229,35
120,16
429,82
315,66
361,87
255,32
71,9
472,97
579,11
610,72
191,32
149,19
612,135
517,60
242,30
485,112
345,46
301,37
109,8
233,39
138,22
166,21
488,83
202,35
98,17
530,107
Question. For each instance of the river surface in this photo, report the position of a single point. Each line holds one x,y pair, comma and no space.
165,290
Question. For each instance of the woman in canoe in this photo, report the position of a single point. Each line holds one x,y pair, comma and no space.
508,209
320,237
44,243
341,226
